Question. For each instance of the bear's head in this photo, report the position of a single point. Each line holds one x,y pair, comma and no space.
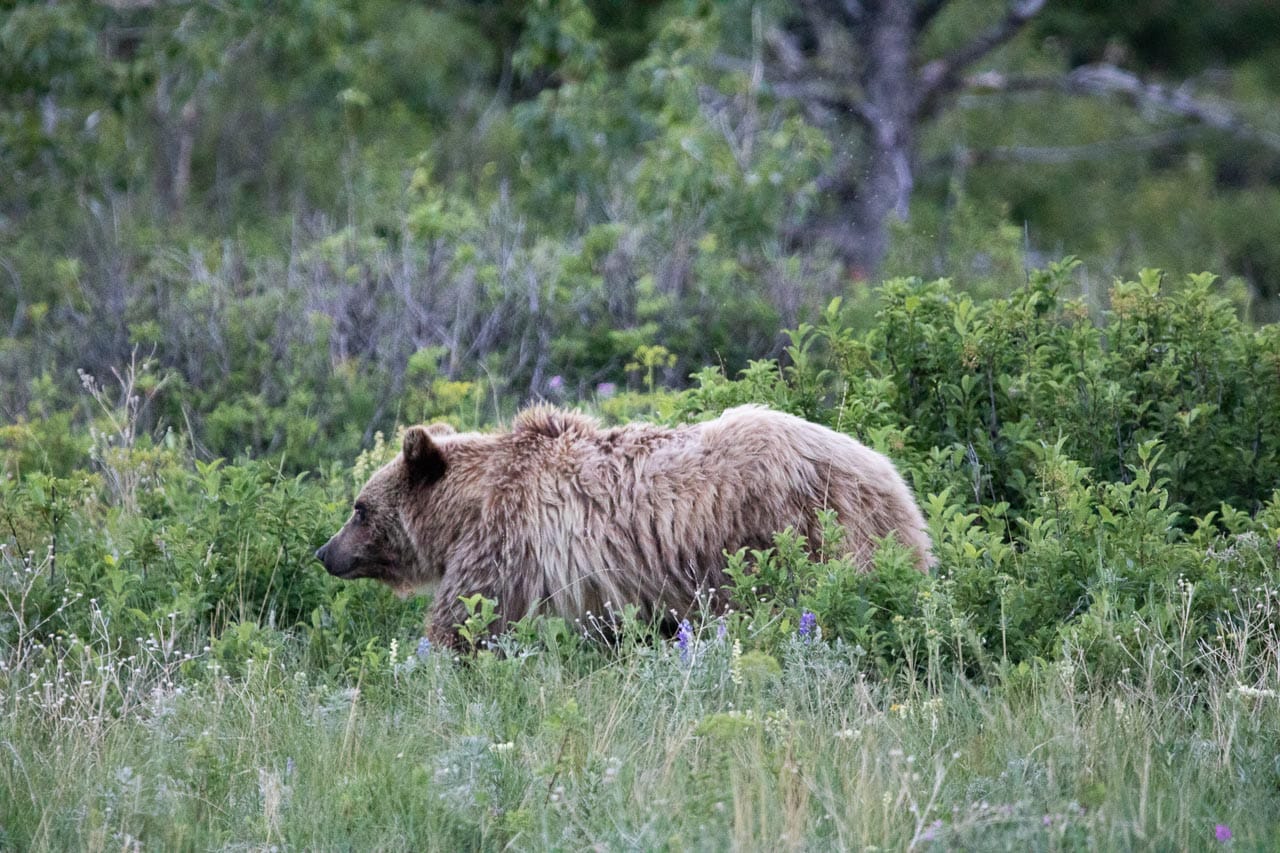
376,541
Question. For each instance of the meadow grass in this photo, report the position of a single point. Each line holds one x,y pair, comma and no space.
645,746
1093,665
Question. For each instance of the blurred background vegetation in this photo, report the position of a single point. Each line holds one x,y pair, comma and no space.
288,226
242,242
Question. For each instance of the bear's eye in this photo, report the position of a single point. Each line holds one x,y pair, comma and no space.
361,513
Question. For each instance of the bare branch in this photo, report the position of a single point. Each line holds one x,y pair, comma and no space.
1108,79
927,11
1103,80
997,82
943,75
848,13
1057,154
784,47
829,95
810,91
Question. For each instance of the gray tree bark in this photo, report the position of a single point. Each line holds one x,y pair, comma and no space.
882,188
889,94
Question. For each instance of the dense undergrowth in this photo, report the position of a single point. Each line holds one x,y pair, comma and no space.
1094,662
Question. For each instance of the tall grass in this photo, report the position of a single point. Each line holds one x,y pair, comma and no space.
1094,665
642,747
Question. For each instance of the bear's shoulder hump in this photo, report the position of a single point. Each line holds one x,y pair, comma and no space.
552,422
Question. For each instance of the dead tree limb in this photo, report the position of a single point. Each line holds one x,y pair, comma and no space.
1103,79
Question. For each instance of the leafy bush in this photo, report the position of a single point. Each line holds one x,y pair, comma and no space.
213,553
979,391
1085,482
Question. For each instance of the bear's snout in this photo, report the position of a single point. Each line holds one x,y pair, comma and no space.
338,561
331,559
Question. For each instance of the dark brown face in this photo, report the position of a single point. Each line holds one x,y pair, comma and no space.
374,543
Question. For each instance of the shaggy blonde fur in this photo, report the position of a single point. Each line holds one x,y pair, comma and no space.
566,518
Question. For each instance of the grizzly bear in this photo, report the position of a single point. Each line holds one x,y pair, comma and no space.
563,517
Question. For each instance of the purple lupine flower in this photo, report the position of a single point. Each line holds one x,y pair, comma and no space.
684,640
555,383
722,630
423,649
808,621
605,390
1222,832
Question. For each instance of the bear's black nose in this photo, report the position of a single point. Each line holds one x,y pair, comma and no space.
322,552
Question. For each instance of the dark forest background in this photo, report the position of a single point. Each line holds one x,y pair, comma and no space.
289,225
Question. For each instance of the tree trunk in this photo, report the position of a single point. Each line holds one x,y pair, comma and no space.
871,184
182,168
175,145
881,190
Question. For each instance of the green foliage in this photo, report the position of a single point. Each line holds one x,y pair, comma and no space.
212,551
1079,477
239,250
642,747
1082,478
162,621
301,334
1201,36
982,390
481,613
326,221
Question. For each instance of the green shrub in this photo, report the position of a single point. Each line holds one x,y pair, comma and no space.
979,389
1080,477
1091,488
213,553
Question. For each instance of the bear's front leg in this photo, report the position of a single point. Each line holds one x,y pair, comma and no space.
443,636
449,613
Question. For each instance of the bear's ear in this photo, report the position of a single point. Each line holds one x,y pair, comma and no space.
422,457
440,428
